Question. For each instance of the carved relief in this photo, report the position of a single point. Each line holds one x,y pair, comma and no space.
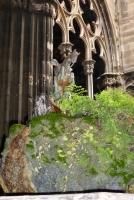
109,80
46,7
65,49
88,66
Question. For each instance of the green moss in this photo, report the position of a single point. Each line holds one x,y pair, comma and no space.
38,125
45,159
79,141
15,129
93,171
29,147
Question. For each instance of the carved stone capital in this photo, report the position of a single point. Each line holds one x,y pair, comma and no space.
14,4
46,7
109,80
65,49
88,66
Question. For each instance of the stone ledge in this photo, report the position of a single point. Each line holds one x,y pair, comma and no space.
82,196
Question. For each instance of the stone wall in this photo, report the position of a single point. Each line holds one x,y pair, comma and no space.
126,23
121,16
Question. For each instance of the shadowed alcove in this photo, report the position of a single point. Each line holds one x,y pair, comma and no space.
89,16
99,67
57,40
80,78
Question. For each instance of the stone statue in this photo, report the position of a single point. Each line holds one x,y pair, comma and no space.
63,75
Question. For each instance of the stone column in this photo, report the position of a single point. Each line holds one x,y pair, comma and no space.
26,51
88,68
12,26
43,13
65,49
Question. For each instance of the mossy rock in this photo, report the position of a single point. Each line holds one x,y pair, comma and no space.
58,153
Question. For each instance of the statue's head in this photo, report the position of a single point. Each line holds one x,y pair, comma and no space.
74,55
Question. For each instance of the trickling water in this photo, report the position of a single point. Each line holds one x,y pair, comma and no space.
41,106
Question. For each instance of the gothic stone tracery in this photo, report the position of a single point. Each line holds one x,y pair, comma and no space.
91,32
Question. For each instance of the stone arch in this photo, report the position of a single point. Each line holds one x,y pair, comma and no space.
130,89
93,28
61,21
102,50
84,35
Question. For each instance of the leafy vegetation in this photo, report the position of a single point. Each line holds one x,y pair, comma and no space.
74,101
112,137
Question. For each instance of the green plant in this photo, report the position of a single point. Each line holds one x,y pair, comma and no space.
116,18
110,138
75,102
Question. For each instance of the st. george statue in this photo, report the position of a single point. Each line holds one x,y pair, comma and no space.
63,75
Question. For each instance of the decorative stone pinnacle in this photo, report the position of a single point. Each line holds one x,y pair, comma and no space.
88,66
65,49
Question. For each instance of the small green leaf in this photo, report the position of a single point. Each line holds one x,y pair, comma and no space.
65,138
77,128
69,152
59,151
91,127
111,152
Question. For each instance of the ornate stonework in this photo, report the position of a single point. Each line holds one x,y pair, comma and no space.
88,66
92,31
47,7
65,20
109,80
65,49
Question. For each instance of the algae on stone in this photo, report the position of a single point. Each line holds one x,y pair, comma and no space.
59,153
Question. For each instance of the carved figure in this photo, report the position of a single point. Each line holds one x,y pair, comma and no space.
63,73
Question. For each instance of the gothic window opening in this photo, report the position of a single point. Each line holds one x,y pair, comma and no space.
57,40
99,67
88,15
80,78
